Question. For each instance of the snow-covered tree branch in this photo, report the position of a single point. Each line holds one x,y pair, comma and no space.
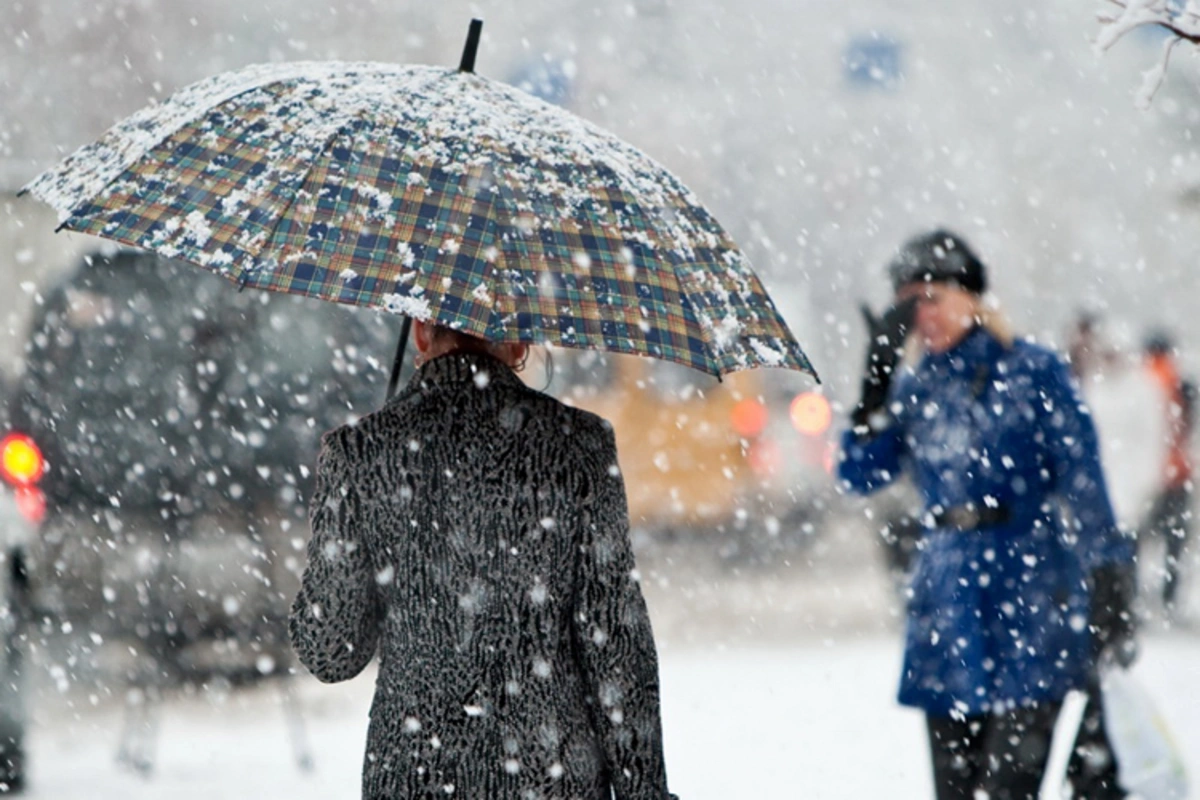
1183,24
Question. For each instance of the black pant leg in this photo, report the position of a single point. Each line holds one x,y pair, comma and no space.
1015,748
1175,528
954,747
15,600
1093,766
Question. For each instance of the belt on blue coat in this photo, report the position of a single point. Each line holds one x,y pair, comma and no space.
969,517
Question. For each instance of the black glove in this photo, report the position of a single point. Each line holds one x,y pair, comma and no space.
887,334
1112,616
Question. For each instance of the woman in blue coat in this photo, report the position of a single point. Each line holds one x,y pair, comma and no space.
1023,578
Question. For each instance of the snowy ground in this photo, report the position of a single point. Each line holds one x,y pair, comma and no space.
812,720
776,684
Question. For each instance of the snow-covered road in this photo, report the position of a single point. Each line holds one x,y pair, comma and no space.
797,720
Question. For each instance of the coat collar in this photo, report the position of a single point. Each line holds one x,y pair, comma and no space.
462,367
977,346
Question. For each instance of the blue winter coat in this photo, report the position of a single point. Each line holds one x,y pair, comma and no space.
998,615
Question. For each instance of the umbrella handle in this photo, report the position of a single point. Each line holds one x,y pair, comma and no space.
398,361
468,57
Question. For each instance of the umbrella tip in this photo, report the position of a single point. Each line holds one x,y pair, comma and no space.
468,57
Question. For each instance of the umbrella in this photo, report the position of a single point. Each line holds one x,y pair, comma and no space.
430,192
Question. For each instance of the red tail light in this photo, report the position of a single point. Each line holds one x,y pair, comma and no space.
31,502
765,458
21,462
748,418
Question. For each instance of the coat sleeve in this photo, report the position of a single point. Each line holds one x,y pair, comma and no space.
335,617
1074,453
870,463
612,636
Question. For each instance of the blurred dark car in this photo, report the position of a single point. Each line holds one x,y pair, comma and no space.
179,421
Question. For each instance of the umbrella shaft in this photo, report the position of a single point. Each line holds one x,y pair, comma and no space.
398,361
467,64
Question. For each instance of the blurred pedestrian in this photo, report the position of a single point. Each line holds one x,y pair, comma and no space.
1170,515
474,531
1118,390
1009,607
1086,353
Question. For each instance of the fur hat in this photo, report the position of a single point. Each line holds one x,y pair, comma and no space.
939,256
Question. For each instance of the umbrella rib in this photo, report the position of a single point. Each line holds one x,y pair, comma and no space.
243,274
670,276
690,311
344,127
167,135
498,205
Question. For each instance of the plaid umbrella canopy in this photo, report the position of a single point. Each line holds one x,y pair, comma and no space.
433,193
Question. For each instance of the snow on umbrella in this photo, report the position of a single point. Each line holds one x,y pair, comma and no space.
430,192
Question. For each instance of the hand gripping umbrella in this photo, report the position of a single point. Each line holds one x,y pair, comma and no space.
433,193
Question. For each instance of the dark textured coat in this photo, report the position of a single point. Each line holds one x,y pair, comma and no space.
474,532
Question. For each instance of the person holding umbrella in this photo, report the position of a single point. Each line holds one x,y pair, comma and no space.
1010,607
473,531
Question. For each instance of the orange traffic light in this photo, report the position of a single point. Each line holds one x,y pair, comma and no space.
811,413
